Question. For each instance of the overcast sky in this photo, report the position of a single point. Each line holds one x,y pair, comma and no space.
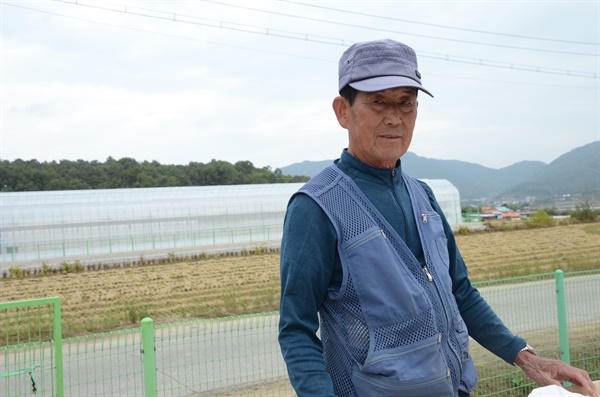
181,81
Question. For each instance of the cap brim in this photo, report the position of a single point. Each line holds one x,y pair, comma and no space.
386,82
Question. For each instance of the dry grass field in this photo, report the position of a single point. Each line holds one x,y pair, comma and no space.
103,300
517,253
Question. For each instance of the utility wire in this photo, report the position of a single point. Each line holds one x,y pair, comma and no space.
413,22
435,25
355,26
213,23
165,34
473,61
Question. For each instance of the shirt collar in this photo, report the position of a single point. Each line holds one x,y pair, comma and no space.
355,168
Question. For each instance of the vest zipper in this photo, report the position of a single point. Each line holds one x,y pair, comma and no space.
396,387
384,357
449,324
366,238
429,276
400,204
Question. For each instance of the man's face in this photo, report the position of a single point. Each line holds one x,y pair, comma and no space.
380,124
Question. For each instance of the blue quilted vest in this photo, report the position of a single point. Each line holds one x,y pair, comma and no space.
393,328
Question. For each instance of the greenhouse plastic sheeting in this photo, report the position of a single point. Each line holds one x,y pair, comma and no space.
82,224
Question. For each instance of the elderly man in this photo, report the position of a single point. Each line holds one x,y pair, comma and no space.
368,258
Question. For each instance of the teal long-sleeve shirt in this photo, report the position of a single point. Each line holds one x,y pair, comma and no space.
311,267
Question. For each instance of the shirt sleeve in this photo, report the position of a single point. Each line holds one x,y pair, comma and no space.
308,254
483,323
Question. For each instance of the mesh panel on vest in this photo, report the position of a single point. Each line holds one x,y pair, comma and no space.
324,179
342,320
414,330
352,219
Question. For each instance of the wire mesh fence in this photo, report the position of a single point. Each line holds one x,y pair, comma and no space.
31,348
233,356
239,356
528,305
107,364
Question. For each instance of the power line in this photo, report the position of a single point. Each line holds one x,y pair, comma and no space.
506,65
166,34
446,57
437,25
334,41
519,83
356,26
214,23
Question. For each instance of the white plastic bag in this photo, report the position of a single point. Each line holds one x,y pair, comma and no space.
553,391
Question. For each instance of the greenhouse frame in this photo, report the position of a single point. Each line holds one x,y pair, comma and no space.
126,224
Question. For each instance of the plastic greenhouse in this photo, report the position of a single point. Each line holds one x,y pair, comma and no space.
124,224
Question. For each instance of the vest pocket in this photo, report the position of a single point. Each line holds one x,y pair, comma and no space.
386,290
416,370
469,373
462,335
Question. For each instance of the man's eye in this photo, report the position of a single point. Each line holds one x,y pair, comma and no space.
377,102
407,106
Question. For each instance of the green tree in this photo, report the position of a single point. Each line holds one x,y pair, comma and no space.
585,213
541,219
220,173
126,172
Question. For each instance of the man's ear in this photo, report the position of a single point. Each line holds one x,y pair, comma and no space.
341,107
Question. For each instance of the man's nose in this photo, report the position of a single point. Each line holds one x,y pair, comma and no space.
392,116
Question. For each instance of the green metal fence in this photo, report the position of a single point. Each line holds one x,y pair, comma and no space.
239,356
107,364
534,307
31,348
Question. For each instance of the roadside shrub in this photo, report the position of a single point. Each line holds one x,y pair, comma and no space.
136,314
540,219
16,272
463,231
584,213
78,267
65,267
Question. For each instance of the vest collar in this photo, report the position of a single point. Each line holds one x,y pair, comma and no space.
355,168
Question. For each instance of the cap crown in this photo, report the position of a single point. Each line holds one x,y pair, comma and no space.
380,58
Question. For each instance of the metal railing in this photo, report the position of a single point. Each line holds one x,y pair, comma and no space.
31,348
239,356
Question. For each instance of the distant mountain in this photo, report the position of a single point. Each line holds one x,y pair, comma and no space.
471,180
305,168
576,172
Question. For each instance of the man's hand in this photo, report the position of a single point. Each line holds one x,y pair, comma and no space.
545,371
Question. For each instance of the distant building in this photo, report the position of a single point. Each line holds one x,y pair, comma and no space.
489,213
124,224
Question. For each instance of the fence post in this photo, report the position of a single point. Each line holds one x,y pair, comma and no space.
149,357
561,305
57,325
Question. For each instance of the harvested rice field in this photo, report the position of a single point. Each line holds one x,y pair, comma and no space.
108,298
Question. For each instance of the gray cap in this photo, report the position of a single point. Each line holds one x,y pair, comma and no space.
379,65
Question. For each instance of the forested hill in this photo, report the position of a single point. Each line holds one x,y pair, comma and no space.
32,175
576,172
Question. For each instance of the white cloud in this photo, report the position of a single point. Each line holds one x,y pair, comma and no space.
177,92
